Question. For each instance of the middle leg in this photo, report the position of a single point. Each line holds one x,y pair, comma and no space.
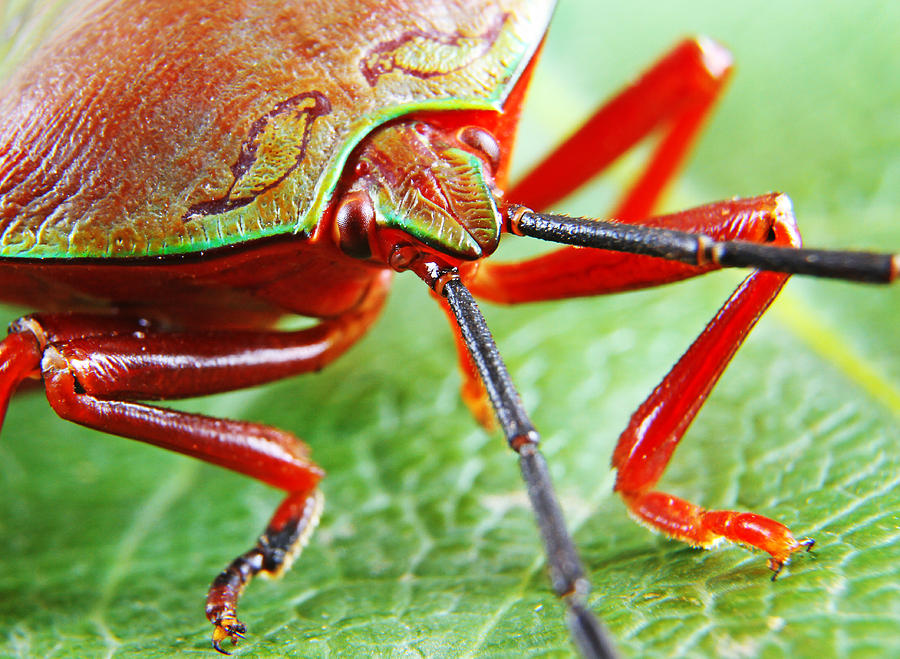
645,448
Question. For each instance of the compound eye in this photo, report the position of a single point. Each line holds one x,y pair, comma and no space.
354,222
482,142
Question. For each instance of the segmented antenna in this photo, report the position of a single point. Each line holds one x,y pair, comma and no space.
699,249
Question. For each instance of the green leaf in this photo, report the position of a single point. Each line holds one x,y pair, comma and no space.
427,546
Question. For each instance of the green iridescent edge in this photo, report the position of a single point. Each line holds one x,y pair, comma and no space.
214,224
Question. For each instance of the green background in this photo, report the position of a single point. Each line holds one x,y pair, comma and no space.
427,546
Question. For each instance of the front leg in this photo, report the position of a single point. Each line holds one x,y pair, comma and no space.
645,448
95,367
274,552
267,454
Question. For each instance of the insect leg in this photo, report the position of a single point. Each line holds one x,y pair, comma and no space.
674,96
571,271
22,350
93,367
267,454
644,449
20,358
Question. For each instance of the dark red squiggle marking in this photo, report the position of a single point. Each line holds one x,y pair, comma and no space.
381,59
248,155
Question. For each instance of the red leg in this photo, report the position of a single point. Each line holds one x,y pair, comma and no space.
674,96
646,446
267,454
125,359
93,366
20,357
574,271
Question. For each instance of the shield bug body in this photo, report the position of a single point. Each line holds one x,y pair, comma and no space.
180,195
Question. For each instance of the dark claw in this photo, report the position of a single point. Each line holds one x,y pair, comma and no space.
234,631
775,566
809,543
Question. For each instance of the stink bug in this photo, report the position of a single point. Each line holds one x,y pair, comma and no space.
298,113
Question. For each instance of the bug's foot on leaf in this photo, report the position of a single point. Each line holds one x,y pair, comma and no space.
227,626
699,527
776,564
